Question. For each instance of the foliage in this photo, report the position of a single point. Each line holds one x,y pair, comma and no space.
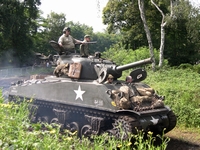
183,35
16,132
179,85
194,68
124,17
185,66
104,41
52,27
182,32
147,141
121,56
13,119
49,28
78,30
23,30
181,89
17,24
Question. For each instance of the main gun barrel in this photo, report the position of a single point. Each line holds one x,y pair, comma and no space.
134,64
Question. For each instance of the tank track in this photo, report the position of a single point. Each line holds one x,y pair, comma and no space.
172,121
90,121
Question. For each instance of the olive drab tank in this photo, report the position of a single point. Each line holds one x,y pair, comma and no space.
77,98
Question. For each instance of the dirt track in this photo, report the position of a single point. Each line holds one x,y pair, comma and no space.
183,140
176,144
178,140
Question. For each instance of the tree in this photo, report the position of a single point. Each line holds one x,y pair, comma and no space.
163,24
49,28
173,23
104,41
17,25
78,30
123,17
146,28
127,18
183,36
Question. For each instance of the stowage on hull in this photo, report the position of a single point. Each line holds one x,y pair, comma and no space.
93,108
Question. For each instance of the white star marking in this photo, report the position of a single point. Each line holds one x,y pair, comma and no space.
79,93
154,121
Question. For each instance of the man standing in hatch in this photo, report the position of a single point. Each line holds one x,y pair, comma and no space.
67,41
84,48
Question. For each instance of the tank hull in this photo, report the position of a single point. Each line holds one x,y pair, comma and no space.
85,106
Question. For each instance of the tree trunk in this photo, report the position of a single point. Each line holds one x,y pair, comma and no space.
162,46
148,34
162,36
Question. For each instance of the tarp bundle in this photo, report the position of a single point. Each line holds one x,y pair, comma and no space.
137,99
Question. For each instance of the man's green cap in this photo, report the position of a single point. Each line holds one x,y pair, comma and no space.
66,29
110,76
87,36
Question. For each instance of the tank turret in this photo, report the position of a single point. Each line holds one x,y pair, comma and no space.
94,67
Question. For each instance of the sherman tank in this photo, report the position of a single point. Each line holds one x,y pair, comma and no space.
77,97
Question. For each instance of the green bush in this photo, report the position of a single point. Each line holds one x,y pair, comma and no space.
121,56
196,68
181,88
185,66
189,67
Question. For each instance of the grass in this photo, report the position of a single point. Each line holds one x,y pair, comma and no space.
16,132
181,88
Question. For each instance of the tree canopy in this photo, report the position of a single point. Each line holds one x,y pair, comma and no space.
182,32
24,31
17,25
